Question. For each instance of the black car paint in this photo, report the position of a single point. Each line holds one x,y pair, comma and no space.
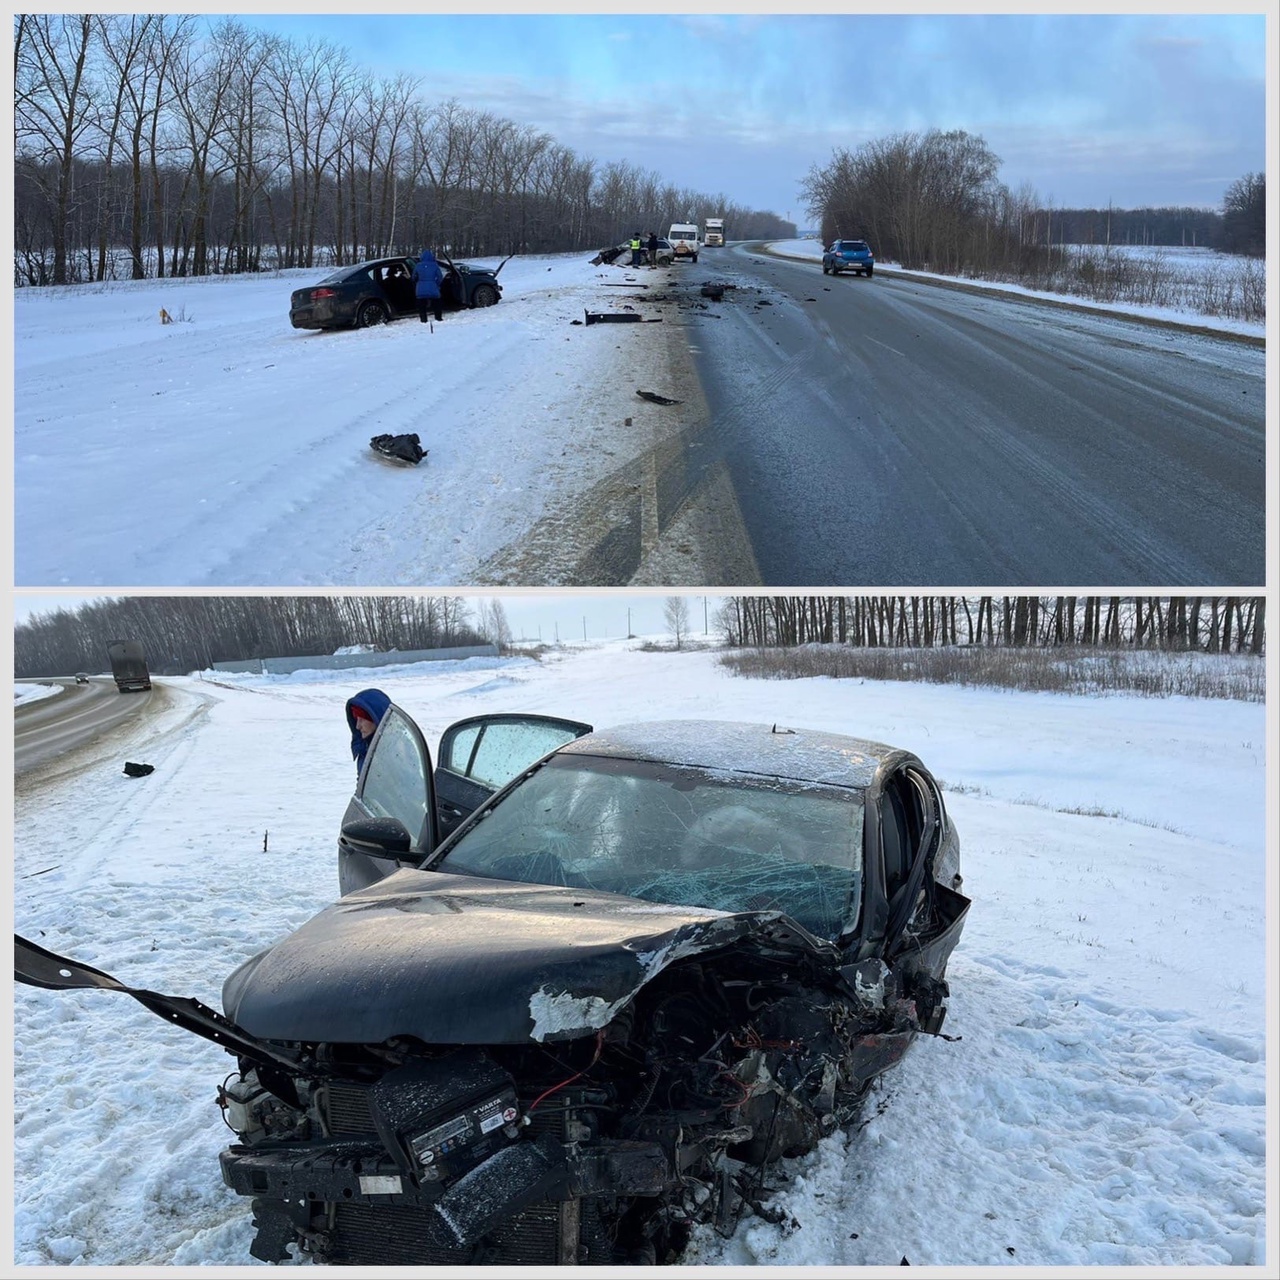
606,1072
382,289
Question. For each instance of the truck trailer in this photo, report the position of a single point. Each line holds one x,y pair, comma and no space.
128,666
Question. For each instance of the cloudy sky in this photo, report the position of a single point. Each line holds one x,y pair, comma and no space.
1137,109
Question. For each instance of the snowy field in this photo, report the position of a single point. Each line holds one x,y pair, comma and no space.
231,449
1186,261
1104,1103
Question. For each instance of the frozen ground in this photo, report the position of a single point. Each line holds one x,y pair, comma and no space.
228,449
24,693
1104,1103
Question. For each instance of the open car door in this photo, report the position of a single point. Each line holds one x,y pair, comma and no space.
402,807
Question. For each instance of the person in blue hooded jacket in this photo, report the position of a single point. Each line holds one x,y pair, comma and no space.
428,276
364,714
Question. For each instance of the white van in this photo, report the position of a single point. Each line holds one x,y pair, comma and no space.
684,239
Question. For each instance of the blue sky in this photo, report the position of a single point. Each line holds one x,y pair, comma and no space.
1138,109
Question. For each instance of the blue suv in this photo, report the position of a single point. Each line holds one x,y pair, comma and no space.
851,255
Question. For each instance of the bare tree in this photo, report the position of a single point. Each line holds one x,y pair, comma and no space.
675,613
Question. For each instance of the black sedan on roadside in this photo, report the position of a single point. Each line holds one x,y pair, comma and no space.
376,292
582,989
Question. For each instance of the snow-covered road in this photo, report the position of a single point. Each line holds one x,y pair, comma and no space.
1104,1103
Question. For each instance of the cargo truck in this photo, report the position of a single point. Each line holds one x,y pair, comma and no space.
713,233
128,666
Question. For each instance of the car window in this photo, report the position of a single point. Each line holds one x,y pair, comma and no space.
394,782
494,752
666,833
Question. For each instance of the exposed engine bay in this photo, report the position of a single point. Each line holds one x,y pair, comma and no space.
598,1151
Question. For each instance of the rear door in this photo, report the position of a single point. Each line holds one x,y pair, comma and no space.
481,755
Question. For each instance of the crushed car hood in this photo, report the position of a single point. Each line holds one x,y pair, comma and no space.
462,960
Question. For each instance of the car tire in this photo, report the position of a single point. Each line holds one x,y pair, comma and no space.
695,257
371,313
869,271
485,295
826,270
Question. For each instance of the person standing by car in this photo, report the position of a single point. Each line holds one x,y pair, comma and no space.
364,714
652,246
636,245
427,278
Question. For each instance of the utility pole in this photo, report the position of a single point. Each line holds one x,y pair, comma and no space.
584,628
704,616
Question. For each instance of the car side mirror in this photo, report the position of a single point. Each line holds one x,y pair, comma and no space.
378,837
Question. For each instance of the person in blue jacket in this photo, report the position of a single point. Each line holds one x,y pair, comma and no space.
364,714
428,275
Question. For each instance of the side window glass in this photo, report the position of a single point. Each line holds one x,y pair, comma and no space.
505,749
394,782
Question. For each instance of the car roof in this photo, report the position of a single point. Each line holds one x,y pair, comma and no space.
803,755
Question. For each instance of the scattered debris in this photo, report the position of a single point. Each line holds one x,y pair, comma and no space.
654,398
713,291
623,284
138,770
402,448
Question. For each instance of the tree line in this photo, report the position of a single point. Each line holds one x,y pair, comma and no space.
1211,624
934,200
189,633
154,144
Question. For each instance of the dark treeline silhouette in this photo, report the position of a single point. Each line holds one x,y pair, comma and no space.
189,633
1244,216
158,144
934,200
1211,624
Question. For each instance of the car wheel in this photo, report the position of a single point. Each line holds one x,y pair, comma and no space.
826,270
371,313
869,271
695,257
484,296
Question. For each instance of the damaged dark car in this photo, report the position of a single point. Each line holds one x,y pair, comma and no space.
657,960
377,292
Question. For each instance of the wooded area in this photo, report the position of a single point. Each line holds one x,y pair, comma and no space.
154,144
189,633
1210,624
934,201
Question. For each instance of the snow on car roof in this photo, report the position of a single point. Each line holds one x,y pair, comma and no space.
805,755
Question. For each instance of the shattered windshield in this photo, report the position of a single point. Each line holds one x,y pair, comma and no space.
668,833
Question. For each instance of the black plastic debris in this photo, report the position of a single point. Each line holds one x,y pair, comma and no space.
613,317
138,770
654,398
402,448
713,291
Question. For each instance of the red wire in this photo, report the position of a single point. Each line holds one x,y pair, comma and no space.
555,1088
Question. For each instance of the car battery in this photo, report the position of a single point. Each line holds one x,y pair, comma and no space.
441,1117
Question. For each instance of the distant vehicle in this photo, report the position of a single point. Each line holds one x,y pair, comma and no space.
684,235
128,666
848,255
376,292
714,233
82,677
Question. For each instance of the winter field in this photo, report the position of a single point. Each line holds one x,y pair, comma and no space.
1104,1102
228,449
1185,285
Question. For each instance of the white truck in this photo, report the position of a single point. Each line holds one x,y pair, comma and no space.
685,241
714,233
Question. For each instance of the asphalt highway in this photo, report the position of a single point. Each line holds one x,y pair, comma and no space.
888,432
62,723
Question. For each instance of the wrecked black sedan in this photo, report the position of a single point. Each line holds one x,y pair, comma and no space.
659,959
376,292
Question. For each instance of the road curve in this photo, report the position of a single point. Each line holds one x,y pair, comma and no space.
64,722
888,432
